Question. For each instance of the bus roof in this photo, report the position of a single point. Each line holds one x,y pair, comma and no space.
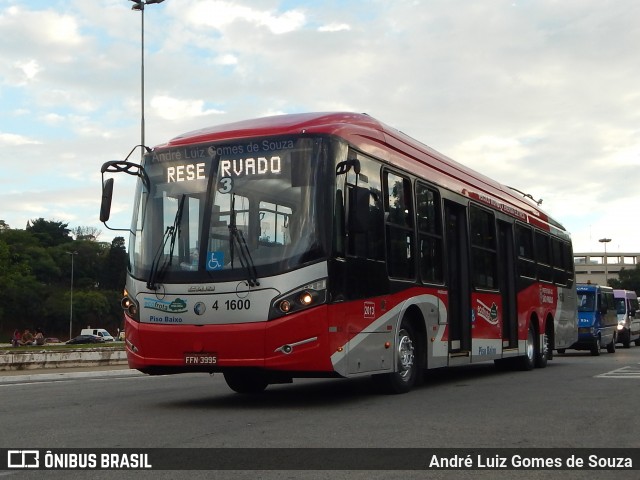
592,287
390,145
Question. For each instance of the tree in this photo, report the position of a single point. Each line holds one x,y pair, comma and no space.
628,279
87,233
115,266
91,309
35,279
49,233
42,265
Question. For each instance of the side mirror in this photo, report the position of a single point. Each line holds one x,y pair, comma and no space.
107,194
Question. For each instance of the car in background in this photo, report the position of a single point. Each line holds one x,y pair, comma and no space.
628,317
98,332
597,319
83,339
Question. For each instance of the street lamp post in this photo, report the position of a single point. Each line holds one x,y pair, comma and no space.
71,301
604,241
139,6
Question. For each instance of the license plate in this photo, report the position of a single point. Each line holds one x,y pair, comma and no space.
200,359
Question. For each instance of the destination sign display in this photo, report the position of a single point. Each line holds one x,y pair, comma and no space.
257,159
268,158
244,167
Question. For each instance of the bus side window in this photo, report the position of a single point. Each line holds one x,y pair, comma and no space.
399,226
543,257
484,257
524,245
559,262
569,266
364,211
429,234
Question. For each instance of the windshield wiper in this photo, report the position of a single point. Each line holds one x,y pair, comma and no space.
170,235
236,237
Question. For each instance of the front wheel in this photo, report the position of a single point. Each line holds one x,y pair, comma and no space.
246,381
528,361
407,368
626,339
595,347
611,348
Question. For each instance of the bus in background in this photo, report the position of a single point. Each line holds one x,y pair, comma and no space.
331,245
628,317
597,319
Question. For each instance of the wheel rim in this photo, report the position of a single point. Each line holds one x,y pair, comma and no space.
530,345
405,355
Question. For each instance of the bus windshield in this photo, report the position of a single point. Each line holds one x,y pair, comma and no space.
230,211
586,302
621,305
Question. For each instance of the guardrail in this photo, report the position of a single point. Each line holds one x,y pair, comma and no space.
33,359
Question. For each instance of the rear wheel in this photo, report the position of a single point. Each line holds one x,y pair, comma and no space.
542,351
637,342
246,381
407,368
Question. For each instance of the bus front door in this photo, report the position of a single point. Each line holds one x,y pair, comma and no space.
458,275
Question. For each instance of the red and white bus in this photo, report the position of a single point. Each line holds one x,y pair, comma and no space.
331,245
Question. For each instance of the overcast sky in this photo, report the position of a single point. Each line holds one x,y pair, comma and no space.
541,95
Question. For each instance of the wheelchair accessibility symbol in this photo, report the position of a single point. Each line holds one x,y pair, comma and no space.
215,260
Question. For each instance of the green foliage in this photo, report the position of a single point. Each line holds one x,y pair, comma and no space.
628,279
49,233
35,279
113,274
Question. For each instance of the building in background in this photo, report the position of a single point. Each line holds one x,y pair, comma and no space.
598,267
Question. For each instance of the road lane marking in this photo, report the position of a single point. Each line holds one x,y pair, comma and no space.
630,371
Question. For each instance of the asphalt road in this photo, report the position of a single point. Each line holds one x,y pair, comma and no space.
578,401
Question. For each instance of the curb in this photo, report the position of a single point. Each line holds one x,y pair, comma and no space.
61,375
70,358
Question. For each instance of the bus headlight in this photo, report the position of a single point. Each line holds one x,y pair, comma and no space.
307,296
130,306
285,306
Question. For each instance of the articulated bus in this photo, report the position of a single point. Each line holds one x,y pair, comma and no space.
331,245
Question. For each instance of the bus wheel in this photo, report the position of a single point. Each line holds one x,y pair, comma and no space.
528,361
408,369
542,352
595,348
246,381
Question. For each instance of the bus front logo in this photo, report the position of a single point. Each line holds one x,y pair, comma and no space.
176,306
